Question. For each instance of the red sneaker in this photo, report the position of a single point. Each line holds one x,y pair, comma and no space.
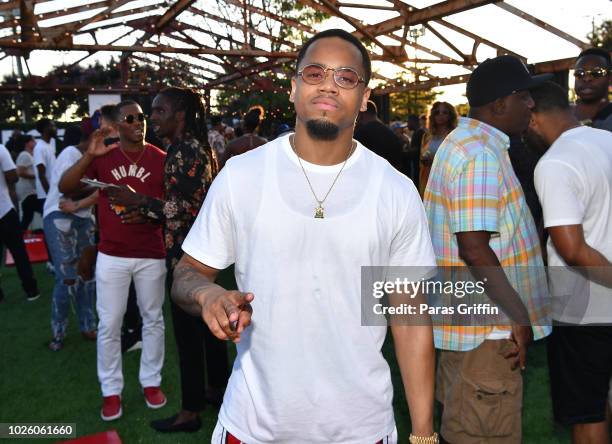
111,408
154,397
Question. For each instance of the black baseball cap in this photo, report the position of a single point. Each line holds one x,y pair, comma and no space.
500,77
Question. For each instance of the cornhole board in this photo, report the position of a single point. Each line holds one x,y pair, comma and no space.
108,437
35,247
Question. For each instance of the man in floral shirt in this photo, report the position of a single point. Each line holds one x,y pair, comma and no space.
178,115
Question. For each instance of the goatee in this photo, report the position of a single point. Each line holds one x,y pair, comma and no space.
322,129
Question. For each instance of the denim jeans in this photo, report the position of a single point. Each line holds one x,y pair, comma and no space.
66,236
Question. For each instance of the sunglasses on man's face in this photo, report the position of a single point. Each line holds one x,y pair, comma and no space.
346,78
440,111
596,73
129,119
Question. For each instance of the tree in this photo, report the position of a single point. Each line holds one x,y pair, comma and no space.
410,102
267,90
55,105
602,35
173,71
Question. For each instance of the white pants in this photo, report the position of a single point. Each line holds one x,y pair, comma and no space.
113,276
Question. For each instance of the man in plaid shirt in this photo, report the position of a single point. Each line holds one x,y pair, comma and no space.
478,217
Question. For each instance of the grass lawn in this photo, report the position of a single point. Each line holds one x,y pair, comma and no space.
37,385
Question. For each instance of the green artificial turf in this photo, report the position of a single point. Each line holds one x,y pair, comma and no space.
37,385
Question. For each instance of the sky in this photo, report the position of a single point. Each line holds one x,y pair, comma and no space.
490,22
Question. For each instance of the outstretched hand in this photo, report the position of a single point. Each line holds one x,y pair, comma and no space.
227,313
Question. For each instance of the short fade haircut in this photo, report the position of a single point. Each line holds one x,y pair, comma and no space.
108,112
342,34
73,135
215,120
22,140
252,119
42,125
597,52
123,103
549,96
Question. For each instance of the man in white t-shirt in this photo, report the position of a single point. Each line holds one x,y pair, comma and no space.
69,229
44,156
574,183
26,186
299,217
10,232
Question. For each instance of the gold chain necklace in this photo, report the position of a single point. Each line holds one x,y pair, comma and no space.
319,210
133,162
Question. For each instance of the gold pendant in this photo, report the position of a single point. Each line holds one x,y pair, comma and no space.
319,212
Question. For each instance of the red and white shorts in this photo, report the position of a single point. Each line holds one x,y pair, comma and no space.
222,436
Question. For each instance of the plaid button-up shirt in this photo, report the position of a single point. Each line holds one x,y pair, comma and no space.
472,187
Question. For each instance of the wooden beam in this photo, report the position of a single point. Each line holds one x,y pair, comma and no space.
180,25
441,62
102,15
83,89
57,32
537,68
278,18
9,5
500,49
241,72
542,24
426,49
364,6
554,66
137,23
27,20
50,46
186,73
207,69
255,69
191,41
109,43
223,20
76,89
173,12
406,9
332,9
423,85
424,15
446,41
65,11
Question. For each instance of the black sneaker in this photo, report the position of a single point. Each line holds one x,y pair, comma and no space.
168,426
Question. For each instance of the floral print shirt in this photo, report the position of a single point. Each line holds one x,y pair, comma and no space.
189,170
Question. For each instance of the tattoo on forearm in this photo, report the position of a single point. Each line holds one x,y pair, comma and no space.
188,282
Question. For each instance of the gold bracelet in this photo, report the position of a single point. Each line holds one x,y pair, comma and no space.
433,439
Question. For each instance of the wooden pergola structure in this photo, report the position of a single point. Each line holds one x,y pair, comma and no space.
227,40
